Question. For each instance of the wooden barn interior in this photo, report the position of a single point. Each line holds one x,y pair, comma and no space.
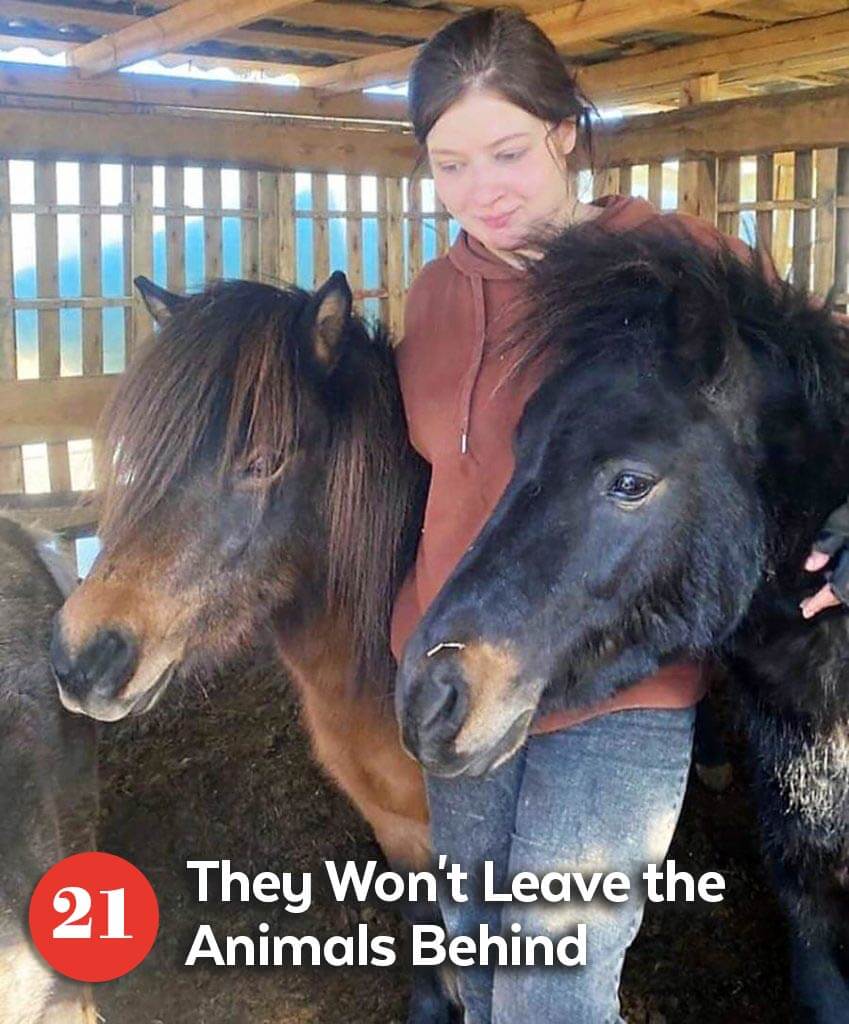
113,165
738,112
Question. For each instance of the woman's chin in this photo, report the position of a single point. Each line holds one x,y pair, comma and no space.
508,239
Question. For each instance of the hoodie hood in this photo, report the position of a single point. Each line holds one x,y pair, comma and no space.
472,258
479,264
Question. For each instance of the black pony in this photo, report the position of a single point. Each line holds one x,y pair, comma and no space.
688,439
48,784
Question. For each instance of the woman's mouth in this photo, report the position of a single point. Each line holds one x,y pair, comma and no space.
501,221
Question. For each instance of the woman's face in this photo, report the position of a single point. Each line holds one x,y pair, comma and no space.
494,169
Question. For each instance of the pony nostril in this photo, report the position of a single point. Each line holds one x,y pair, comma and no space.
105,665
445,703
110,661
60,659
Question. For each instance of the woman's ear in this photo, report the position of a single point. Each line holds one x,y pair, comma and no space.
566,135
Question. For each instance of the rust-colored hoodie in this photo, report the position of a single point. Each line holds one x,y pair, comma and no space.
457,310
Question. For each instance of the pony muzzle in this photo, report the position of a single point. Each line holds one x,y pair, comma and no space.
106,679
461,708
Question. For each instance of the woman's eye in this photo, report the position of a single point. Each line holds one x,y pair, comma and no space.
510,156
448,168
629,486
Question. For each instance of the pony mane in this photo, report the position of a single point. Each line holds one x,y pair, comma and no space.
224,378
596,291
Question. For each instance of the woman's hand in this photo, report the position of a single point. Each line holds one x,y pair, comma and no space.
831,545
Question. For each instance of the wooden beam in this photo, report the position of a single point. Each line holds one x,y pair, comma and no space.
777,50
810,119
385,68
257,142
697,178
813,119
187,23
373,18
568,23
156,90
36,411
106,21
594,19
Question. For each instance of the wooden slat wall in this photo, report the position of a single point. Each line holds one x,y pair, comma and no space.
799,204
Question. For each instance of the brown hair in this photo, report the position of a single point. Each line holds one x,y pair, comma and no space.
498,49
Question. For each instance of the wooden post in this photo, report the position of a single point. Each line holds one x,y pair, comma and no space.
212,255
606,182
625,182
803,188
8,360
59,467
269,226
697,178
442,233
249,188
175,230
320,244
142,249
782,248
90,257
354,232
764,185
728,191
656,184
390,204
824,239
286,227
47,269
414,227
842,234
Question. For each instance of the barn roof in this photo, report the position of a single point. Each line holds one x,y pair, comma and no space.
633,56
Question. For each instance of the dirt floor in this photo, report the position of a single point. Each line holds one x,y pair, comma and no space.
223,770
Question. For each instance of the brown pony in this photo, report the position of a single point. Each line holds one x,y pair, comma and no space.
259,478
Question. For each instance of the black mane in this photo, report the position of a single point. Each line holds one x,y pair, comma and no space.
596,291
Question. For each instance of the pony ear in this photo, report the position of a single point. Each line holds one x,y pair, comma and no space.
701,328
161,304
325,320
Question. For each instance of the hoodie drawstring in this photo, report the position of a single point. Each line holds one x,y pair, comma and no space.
479,308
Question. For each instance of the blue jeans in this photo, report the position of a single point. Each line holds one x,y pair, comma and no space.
604,795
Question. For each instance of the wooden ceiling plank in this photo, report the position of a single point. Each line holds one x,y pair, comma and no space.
568,24
732,57
60,15
376,19
188,22
159,90
593,19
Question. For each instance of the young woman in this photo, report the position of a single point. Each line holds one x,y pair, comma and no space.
498,112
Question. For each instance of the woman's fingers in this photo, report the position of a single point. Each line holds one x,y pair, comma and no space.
816,560
823,598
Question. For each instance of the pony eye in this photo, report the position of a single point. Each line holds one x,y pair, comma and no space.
261,466
631,487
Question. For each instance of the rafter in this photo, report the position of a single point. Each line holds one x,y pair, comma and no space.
791,48
188,22
160,91
567,24
104,20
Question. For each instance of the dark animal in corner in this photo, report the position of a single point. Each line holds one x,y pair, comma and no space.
48,798
689,436
260,482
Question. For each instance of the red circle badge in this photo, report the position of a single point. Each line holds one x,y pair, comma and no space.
93,916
